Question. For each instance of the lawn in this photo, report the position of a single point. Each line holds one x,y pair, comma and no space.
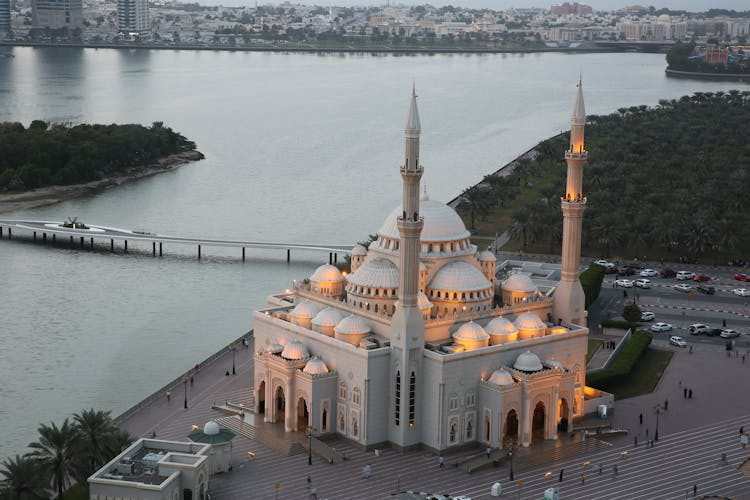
645,375
76,492
594,345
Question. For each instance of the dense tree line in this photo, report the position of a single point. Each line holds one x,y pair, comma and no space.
669,179
44,154
70,452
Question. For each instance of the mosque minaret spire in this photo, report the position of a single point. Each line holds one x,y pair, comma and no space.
569,297
407,323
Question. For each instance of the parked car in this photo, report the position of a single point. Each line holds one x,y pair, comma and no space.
667,273
728,333
678,341
714,332
707,289
642,283
698,329
702,277
607,264
742,277
649,273
624,283
625,271
647,316
683,288
684,275
742,292
661,327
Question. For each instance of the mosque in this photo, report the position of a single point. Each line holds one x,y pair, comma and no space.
420,345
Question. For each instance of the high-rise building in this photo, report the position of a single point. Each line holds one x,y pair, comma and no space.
57,13
4,18
132,16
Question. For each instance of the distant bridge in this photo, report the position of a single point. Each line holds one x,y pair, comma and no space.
53,232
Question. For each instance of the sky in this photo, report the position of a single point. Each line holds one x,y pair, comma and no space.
690,5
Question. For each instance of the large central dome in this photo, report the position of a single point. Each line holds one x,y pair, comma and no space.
441,223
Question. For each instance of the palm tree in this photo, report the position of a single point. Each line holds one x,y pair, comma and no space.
117,443
93,429
22,480
54,453
475,200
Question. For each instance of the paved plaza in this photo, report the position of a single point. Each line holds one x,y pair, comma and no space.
693,435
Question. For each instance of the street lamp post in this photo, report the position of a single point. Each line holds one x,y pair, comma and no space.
234,350
184,384
309,445
510,454
657,410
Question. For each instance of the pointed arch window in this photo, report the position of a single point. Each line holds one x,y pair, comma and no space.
412,398
398,398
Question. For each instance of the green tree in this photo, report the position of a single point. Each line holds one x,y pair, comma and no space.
21,479
54,453
93,432
631,312
474,200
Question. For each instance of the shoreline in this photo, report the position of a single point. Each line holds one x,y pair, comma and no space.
706,76
340,49
49,195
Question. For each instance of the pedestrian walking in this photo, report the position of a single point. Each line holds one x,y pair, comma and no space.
583,479
153,434
690,394
314,493
640,419
191,381
635,441
684,393
723,323
367,471
691,350
488,451
742,429
666,404
601,467
441,462
614,470
695,489
169,396
646,431
561,475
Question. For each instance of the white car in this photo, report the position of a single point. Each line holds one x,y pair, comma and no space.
649,273
642,283
698,329
728,333
678,341
647,316
624,283
661,327
684,275
742,292
683,288
607,264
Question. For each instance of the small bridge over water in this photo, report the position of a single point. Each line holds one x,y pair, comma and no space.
56,233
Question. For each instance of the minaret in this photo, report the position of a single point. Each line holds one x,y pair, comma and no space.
569,297
407,339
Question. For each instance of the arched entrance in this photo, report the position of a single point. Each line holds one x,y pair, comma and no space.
511,428
280,405
537,422
487,428
261,395
303,415
324,420
562,415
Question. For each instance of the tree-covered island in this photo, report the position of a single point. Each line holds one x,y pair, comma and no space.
43,155
710,59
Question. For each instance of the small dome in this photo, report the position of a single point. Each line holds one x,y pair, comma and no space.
423,302
315,366
352,325
528,362
327,317
501,377
376,273
441,223
519,282
275,348
327,272
305,309
359,250
529,321
295,350
470,331
501,326
553,363
487,256
459,276
211,428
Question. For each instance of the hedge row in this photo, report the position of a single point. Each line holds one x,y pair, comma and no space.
617,323
591,281
626,359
